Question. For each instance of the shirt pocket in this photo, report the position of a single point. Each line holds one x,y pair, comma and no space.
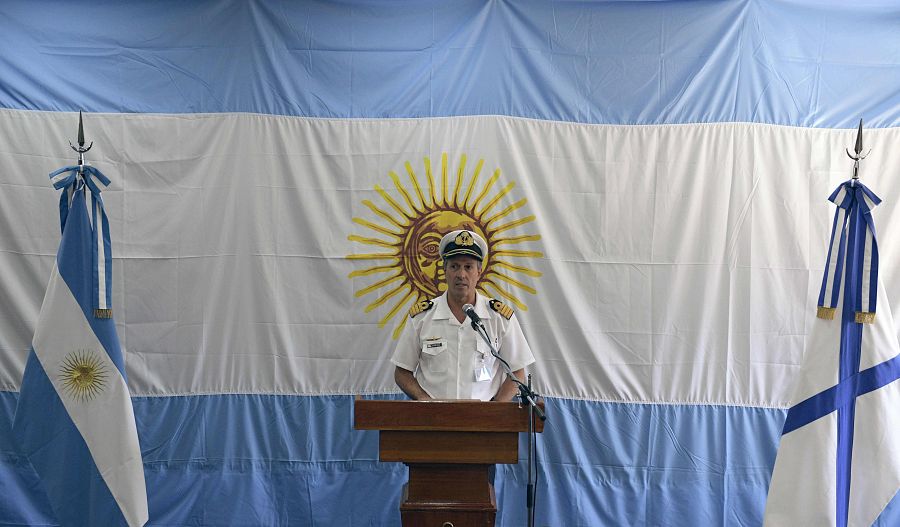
435,357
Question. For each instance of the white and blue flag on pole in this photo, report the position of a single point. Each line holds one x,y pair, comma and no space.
74,420
838,463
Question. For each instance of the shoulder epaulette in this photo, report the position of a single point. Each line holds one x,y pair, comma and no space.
504,310
420,307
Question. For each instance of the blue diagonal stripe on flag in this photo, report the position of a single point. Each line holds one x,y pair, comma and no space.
827,401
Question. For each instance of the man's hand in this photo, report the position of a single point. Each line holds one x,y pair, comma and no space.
410,386
509,389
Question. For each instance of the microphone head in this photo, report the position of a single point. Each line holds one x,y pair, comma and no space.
469,310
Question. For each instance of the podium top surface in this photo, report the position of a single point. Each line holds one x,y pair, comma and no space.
446,415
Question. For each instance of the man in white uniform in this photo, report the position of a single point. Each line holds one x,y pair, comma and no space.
439,355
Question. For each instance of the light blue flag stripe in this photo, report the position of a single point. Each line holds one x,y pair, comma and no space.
601,464
765,61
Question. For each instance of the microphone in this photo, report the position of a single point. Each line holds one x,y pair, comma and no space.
469,310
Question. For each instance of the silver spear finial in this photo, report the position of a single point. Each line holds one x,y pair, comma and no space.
81,149
858,156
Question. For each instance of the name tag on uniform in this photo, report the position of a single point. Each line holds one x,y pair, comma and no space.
433,346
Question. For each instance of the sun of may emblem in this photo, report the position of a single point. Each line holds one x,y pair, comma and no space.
83,374
405,263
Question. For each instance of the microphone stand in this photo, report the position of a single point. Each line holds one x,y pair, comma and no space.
526,394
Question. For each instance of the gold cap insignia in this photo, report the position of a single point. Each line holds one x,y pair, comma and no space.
464,239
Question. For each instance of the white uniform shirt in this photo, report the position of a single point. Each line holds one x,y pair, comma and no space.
445,355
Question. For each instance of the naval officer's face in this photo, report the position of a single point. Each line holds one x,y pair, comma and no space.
462,273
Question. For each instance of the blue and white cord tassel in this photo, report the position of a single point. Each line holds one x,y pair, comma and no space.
852,232
72,179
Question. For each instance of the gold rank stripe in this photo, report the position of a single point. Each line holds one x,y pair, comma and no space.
420,307
504,310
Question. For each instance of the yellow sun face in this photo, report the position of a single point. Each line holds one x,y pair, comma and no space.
408,235
83,374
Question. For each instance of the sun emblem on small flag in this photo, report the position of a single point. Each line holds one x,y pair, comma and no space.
83,374
408,231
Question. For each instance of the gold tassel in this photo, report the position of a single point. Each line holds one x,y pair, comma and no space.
826,313
103,313
865,317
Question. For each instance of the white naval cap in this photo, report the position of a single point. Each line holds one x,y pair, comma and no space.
463,242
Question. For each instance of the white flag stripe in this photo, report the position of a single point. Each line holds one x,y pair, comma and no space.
833,261
802,491
875,473
866,271
61,329
101,258
730,330
879,342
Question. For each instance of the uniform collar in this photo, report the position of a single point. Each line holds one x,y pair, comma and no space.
442,308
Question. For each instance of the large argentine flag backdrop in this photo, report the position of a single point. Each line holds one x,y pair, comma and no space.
650,175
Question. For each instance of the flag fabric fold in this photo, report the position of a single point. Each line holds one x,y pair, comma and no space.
839,458
74,420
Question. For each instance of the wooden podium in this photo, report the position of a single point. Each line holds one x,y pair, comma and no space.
448,446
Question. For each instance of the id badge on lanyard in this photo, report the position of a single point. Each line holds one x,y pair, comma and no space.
481,370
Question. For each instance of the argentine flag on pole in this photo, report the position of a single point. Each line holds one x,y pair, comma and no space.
838,463
74,420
